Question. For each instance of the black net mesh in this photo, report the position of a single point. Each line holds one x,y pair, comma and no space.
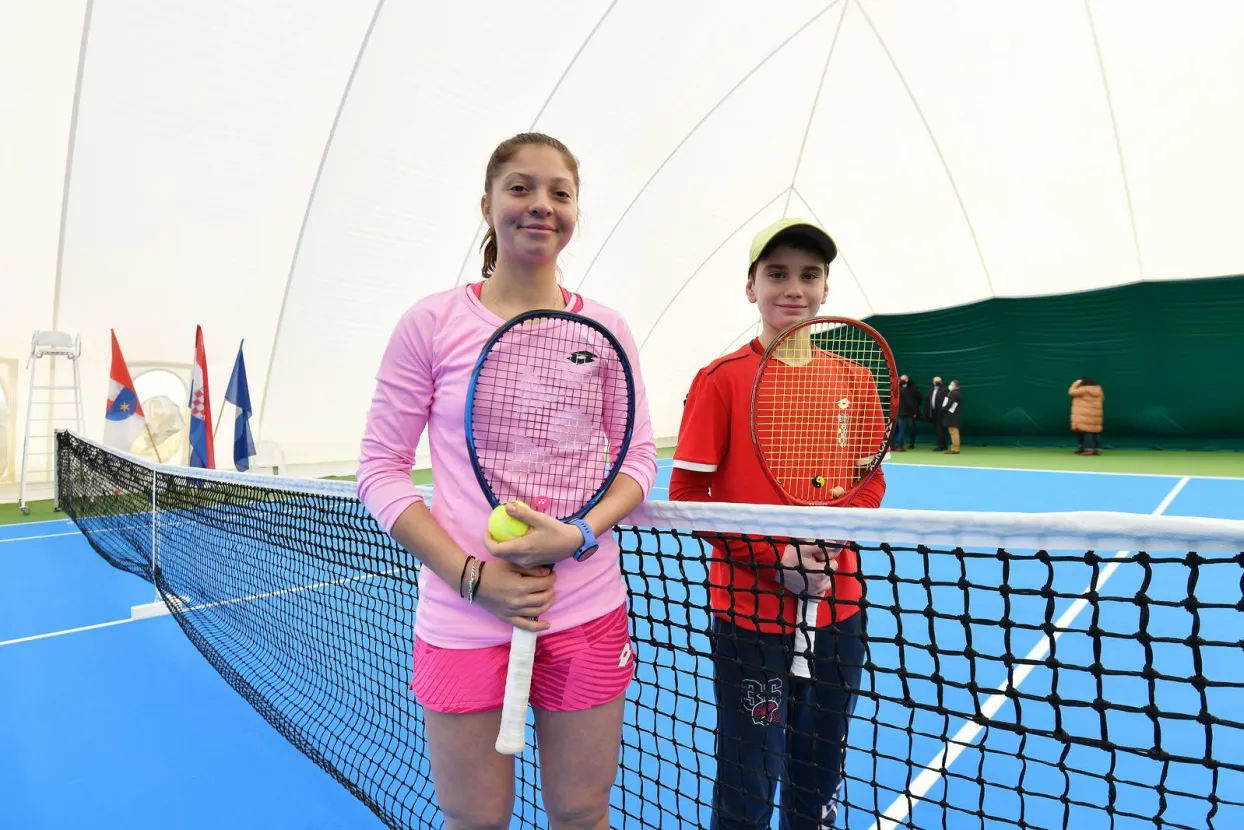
997,687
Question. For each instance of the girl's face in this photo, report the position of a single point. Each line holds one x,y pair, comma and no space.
789,287
533,206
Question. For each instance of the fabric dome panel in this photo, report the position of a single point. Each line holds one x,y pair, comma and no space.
198,133
712,189
397,200
1176,80
39,46
1016,109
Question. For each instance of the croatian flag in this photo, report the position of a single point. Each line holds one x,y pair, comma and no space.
202,442
124,421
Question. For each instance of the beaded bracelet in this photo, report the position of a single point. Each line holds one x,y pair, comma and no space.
462,575
469,584
478,577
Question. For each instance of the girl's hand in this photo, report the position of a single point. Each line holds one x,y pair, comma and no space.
516,595
546,542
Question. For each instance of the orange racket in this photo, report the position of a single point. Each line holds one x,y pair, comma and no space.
822,412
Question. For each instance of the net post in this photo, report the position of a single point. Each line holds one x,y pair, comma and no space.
57,443
155,608
155,519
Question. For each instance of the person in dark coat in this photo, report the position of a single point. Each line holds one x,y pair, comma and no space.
909,400
934,411
952,416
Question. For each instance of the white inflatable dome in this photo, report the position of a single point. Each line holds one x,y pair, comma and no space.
298,173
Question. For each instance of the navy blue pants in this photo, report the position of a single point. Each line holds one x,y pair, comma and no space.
904,432
773,726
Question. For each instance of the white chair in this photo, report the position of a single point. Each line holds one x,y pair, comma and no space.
268,455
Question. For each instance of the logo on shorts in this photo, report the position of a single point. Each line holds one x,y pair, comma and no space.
763,704
581,357
625,657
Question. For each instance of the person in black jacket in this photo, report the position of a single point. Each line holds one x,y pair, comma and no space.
909,400
952,414
934,412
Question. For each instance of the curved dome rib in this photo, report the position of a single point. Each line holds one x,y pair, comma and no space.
1118,142
841,255
539,114
73,132
816,99
639,194
705,261
954,186
306,214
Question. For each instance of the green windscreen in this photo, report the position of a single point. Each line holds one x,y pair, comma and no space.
1169,355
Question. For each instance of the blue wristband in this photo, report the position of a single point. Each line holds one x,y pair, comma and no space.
589,545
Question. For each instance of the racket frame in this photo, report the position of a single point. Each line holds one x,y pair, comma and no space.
808,606
468,412
512,734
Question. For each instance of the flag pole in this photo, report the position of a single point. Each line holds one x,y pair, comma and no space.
151,438
223,403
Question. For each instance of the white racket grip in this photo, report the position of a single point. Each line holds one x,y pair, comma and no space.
512,736
803,636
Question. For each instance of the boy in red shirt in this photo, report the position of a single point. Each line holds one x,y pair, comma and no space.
771,725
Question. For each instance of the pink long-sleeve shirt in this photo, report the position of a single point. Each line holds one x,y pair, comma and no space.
422,381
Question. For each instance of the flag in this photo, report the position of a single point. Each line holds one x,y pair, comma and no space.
202,449
239,394
124,420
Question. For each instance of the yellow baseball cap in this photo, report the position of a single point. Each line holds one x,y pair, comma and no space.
787,228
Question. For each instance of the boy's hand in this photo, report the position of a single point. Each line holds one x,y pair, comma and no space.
818,563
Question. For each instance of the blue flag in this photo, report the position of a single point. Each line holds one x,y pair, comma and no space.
239,394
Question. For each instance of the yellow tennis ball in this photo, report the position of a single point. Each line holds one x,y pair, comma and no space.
503,527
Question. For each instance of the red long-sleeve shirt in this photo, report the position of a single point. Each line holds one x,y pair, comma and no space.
716,462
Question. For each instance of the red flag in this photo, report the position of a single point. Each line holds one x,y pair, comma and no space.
202,441
124,421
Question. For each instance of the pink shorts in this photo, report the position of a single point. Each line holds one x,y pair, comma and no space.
575,669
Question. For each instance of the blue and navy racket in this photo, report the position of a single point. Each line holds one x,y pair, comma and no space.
549,415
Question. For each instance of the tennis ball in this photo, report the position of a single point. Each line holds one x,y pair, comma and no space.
503,527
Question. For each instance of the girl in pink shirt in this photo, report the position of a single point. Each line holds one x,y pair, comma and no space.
584,657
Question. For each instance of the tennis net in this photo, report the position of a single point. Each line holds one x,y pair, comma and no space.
1019,670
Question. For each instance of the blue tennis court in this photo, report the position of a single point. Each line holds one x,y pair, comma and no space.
112,723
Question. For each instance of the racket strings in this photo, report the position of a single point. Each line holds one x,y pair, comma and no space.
549,412
821,409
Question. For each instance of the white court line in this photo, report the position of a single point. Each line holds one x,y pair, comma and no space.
891,459
179,606
43,536
60,633
902,806
41,522
139,525
1059,472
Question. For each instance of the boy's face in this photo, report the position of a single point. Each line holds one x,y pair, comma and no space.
789,286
